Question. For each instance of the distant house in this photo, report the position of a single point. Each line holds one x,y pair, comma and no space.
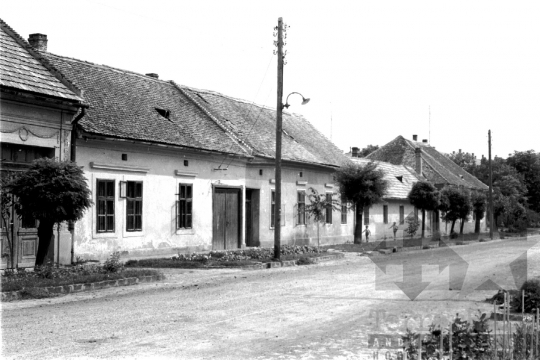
176,169
432,165
395,206
38,105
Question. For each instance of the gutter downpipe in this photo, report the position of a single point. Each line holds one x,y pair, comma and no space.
73,157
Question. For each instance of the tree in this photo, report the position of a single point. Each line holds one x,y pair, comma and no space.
478,201
424,196
317,207
463,159
361,186
455,204
51,192
367,150
527,164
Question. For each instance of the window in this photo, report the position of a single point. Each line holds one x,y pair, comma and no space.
385,213
273,210
329,208
343,210
301,216
366,216
184,207
134,206
401,215
105,205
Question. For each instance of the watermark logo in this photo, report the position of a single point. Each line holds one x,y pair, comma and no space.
512,260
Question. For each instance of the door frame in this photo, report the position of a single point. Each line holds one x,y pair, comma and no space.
241,219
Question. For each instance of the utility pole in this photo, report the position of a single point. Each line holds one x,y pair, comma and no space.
490,188
279,115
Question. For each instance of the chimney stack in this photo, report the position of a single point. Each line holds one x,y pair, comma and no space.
153,75
38,41
415,137
355,151
424,141
418,155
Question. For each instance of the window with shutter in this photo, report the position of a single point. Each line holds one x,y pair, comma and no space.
184,207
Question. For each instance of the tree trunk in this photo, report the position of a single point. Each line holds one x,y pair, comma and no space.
452,228
461,227
358,226
477,224
45,235
423,222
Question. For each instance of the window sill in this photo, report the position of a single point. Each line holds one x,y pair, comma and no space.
104,235
137,233
185,232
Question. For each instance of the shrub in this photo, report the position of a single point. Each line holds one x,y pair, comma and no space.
425,247
113,263
412,226
532,296
454,235
305,261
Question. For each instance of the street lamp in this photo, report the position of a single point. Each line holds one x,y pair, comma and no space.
304,100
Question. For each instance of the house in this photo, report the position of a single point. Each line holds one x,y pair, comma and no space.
395,206
435,167
38,105
176,169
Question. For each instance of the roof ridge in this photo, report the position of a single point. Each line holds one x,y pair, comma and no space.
215,119
107,67
39,57
230,97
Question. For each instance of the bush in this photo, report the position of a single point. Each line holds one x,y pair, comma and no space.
412,226
113,263
454,235
425,247
532,296
305,261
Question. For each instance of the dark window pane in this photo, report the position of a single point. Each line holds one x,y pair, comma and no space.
182,191
110,223
101,223
138,192
189,192
188,221
110,207
188,208
138,222
101,207
101,188
110,188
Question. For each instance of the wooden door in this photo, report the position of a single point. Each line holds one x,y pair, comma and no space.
23,233
27,239
226,219
252,217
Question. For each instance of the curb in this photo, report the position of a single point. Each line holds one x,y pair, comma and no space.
436,245
287,263
75,288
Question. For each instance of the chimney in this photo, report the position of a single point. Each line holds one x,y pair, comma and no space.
38,41
424,141
355,151
153,75
415,137
460,151
418,155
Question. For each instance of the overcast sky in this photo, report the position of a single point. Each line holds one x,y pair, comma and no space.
371,68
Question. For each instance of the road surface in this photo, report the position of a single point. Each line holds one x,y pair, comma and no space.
337,309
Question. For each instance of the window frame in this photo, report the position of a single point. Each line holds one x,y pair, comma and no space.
183,216
109,183
135,199
366,215
329,210
301,208
344,211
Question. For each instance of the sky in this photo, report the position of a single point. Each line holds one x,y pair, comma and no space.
448,71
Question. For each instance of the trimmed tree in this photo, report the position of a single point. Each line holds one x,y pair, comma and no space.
361,186
456,205
424,196
317,207
51,192
478,200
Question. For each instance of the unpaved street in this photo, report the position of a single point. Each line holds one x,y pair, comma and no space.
330,310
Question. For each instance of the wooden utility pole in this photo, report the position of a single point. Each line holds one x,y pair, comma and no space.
490,188
279,114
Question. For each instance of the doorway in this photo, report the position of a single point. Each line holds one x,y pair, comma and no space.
252,217
226,219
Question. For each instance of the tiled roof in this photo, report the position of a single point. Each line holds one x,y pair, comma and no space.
123,105
436,167
22,70
397,189
255,125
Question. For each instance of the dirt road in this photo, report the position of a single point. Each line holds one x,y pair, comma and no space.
331,310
